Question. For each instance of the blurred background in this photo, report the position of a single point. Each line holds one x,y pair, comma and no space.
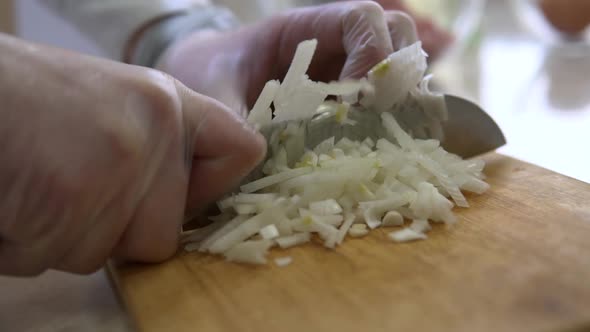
526,62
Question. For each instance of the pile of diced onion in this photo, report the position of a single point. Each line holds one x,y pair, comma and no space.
343,188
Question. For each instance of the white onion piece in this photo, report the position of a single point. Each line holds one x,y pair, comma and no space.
451,188
246,229
403,139
327,232
228,227
325,207
333,220
348,221
420,225
253,198
395,77
274,179
285,227
283,261
293,240
301,60
245,208
392,218
374,210
406,235
302,102
261,113
252,252
358,230
200,234
269,232
296,98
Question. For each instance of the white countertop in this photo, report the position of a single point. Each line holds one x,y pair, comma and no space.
540,100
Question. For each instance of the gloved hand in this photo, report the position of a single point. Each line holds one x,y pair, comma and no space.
102,159
233,66
434,39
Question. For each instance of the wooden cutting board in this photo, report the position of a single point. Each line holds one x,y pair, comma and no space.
518,260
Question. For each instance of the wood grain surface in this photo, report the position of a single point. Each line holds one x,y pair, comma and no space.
518,260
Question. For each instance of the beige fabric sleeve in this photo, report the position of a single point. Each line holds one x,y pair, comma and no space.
110,23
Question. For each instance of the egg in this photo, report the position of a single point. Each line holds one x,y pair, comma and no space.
570,17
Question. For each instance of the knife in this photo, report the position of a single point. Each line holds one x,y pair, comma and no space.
467,130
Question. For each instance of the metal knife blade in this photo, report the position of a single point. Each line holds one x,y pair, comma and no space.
467,131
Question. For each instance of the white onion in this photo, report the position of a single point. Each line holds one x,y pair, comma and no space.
353,232
269,232
406,235
252,252
325,207
261,113
420,225
274,179
344,188
293,240
392,218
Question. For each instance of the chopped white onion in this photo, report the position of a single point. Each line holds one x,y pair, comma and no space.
261,113
351,186
325,207
406,235
395,77
358,230
293,240
274,179
269,232
252,252
348,221
420,225
392,218
245,208
245,230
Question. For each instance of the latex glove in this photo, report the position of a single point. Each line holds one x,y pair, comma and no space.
434,39
233,66
101,159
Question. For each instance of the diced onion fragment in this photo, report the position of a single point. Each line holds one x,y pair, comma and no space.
283,261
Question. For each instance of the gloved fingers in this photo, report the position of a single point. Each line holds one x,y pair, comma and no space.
223,148
153,232
101,238
204,62
365,37
350,34
434,39
220,150
402,29
47,237
32,255
21,260
94,246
